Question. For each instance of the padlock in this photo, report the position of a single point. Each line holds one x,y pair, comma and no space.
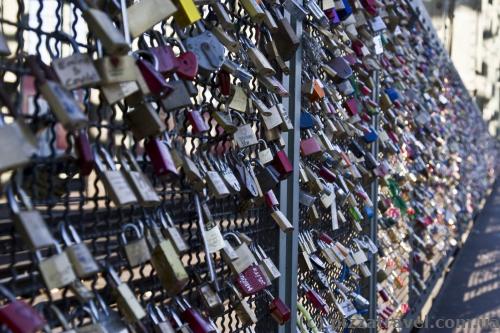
266,263
67,111
280,312
169,267
261,65
282,164
18,316
310,147
172,232
210,298
228,175
281,220
29,222
76,70
83,150
19,142
127,302
208,50
160,156
212,238
316,300
160,323
244,172
254,10
114,182
244,135
57,271
245,257
345,306
244,311
137,180
267,179
136,250
102,27
144,121
213,179
187,13
78,253
197,121
195,320
148,67
265,155
251,281
287,41
107,319
61,320
145,14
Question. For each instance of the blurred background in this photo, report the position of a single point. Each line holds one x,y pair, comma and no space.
469,30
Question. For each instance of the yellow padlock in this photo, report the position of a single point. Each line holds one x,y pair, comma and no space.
187,13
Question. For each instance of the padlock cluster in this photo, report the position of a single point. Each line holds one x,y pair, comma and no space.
148,147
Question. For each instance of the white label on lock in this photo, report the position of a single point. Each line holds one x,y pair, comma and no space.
214,239
377,24
377,41
76,71
346,308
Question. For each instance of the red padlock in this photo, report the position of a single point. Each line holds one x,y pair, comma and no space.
84,152
154,80
251,280
159,154
224,82
351,106
187,63
280,312
193,318
316,300
282,164
327,174
325,238
309,147
18,316
197,122
270,199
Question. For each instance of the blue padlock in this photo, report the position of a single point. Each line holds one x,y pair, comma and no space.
370,136
392,93
368,211
306,120
345,12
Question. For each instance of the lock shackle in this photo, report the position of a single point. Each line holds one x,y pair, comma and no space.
182,303
147,56
59,316
7,293
108,164
127,160
165,219
130,226
238,115
155,313
92,312
69,238
264,143
11,198
102,305
60,36
234,236
269,294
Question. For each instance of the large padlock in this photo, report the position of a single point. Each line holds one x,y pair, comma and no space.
136,250
143,15
251,281
208,50
149,68
114,181
138,181
67,111
18,316
29,222
78,253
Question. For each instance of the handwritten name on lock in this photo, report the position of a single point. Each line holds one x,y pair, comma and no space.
76,71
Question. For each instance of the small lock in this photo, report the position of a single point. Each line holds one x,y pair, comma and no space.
114,182
280,312
136,250
172,232
57,271
144,121
244,256
78,253
195,320
138,181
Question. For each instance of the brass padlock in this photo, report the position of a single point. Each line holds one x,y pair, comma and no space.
245,257
244,135
67,111
29,222
128,304
137,250
114,181
137,180
56,270
144,121
267,263
172,232
209,296
143,15
78,253
243,310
